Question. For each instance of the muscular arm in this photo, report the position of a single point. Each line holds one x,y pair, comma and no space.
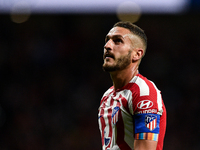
145,145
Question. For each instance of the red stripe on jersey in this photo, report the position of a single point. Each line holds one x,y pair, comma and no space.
125,103
134,89
103,125
163,119
110,124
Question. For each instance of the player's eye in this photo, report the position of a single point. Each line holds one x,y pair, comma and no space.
118,41
107,39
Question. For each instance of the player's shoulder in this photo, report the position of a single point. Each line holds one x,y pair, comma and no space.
148,98
108,91
144,85
106,94
143,81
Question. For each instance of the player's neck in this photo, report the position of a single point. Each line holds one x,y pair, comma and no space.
123,77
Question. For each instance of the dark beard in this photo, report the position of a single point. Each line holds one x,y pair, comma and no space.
121,64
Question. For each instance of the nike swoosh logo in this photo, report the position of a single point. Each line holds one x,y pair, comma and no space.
100,116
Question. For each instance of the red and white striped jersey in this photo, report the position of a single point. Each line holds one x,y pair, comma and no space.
135,111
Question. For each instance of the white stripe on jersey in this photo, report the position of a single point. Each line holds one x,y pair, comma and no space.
106,122
159,100
144,88
114,130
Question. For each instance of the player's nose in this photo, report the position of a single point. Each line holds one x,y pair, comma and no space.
108,45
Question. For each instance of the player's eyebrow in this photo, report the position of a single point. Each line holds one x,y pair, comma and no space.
113,37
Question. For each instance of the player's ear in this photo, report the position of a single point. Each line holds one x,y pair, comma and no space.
137,55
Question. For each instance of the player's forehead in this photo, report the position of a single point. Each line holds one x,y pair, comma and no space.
119,31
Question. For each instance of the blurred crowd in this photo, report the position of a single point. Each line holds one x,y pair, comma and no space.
52,80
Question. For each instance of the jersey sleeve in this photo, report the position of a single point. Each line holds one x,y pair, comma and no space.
147,109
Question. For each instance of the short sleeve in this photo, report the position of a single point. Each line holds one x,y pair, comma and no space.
147,108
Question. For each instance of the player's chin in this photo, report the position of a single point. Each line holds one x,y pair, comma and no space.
108,64
108,67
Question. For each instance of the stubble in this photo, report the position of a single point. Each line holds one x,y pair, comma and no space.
121,63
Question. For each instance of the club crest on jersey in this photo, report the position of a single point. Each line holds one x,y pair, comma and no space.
106,138
151,122
115,114
106,141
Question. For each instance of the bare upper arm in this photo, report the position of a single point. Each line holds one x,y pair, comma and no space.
145,145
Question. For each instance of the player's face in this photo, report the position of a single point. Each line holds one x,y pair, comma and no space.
117,49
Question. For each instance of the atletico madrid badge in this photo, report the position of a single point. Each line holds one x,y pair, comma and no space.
151,122
115,114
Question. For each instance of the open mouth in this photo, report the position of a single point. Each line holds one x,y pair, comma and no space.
107,55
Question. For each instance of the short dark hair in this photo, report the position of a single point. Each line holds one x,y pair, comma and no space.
134,29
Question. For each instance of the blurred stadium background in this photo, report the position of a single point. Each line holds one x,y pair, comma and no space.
51,78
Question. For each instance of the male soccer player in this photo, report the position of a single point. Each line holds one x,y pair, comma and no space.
132,115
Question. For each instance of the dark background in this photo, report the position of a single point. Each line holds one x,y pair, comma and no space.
51,78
